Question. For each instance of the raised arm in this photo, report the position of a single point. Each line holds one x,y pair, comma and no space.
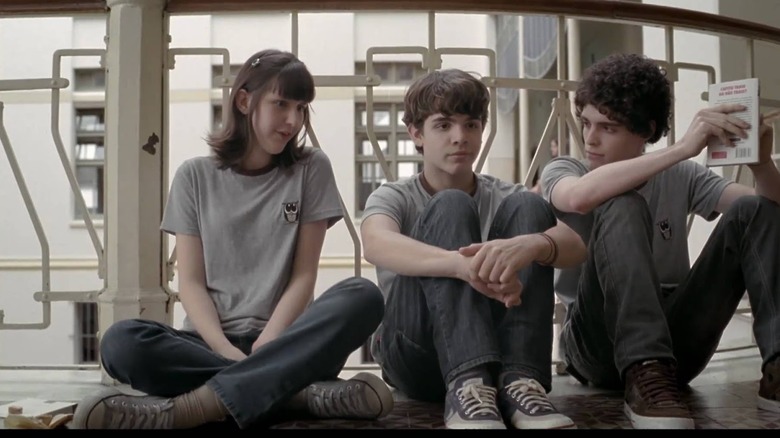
195,299
300,290
583,194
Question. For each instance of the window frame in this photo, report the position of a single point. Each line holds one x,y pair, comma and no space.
89,100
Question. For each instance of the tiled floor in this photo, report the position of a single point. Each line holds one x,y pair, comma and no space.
722,397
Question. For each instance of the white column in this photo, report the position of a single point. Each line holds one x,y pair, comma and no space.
134,161
575,73
524,115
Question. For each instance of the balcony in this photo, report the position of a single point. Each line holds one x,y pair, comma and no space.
93,138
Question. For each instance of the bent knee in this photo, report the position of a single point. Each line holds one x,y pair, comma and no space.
365,298
120,343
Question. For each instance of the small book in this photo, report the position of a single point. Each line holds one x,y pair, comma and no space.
745,150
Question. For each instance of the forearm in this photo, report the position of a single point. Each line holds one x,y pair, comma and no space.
610,180
295,298
203,315
767,180
406,256
571,250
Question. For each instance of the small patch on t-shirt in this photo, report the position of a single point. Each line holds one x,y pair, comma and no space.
290,211
665,228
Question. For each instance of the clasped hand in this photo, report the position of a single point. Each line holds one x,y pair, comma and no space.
492,267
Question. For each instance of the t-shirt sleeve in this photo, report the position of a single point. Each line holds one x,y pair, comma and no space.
557,169
181,210
705,188
321,196
388,200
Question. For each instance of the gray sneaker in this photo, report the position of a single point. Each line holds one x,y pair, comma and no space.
525,404
364,396
470,404
111,409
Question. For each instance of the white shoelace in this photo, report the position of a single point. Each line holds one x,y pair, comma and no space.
530,394
477,399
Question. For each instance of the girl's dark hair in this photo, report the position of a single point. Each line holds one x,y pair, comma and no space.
264,72
630,89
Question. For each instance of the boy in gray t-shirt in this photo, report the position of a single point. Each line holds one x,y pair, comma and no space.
641,318
465,321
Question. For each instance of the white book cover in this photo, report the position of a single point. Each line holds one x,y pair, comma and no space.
745,150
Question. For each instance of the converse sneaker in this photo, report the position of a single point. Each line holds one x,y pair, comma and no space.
364,396
525,405
653,399
470,404
111,409
769,389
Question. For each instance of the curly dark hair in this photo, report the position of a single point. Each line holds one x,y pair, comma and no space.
630,89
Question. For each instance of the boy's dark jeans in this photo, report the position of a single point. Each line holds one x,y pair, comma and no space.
435,327
621,316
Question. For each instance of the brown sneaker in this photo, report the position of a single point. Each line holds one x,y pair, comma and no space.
653,399
769,389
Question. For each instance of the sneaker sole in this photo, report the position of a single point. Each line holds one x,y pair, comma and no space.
87,405
460,424
380,389
768,405
642,422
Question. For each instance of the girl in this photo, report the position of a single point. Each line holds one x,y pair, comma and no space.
249,222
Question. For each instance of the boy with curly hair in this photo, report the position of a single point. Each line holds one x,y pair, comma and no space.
455,252
642,319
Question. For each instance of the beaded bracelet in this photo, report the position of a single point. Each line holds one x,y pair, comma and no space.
550,260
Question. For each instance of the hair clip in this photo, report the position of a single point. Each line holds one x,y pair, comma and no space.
255,62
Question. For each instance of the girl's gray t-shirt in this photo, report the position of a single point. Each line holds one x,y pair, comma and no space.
248,226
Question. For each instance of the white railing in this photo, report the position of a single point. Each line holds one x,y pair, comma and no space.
561,123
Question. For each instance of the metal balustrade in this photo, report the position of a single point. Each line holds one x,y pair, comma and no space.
561,123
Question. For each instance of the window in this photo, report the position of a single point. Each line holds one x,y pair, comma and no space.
392,139
89,79
216,104
90,129
86,333
395,73
90,157
394,142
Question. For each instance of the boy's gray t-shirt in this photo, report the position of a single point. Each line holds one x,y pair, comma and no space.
249,226
405,199
686,187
